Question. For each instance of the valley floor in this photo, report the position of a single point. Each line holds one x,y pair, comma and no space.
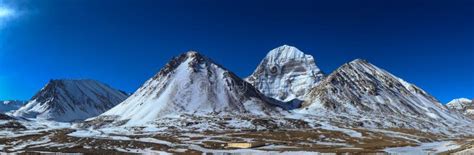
58,137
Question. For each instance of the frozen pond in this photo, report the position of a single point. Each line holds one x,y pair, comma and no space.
425,148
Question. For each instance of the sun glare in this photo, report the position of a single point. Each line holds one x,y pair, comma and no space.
5,15
5,12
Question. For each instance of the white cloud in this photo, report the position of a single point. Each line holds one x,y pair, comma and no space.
5,12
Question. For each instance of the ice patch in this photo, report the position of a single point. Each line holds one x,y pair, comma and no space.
424,148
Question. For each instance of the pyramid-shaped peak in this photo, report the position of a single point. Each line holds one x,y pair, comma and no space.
60,83
359,64
70,100
285,52
285,46
359,87
191,84
286,73
53,81
70,80
459,103
359,61
193,54
192,58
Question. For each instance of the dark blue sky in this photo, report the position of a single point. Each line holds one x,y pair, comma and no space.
124,42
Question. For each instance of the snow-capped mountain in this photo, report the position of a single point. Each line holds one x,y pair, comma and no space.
359,88
10,105
463,105
191,84
459,104
285,74
71,100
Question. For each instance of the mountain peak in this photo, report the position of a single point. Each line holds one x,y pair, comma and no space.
287,47
360,65
71,80
360,87
188,55
286,73
459,103
359,61
193,54
461,100
70,100
463,105
191,84
285,53
56,82
193,58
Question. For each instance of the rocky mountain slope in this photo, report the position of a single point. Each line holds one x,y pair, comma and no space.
10,105
285,74
462,105
377,98
195,85
70,100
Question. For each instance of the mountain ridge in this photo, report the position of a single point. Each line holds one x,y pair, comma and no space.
9,105
70,100
359,88
191,84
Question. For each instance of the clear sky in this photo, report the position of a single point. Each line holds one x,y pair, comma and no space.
124,42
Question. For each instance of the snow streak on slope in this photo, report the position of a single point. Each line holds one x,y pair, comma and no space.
70,100
191,84
10,105
285,74
359,88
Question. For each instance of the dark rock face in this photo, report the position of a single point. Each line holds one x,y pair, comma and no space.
12,125
5,117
